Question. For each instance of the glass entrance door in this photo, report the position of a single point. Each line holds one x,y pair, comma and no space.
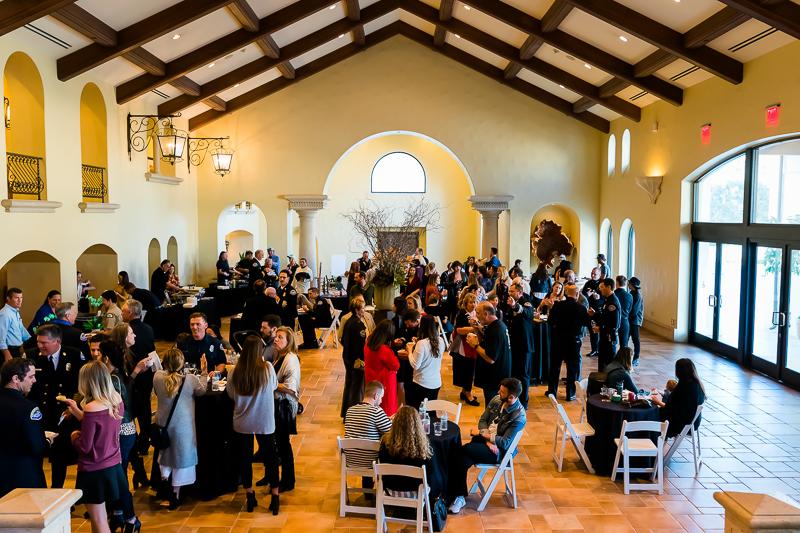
793,318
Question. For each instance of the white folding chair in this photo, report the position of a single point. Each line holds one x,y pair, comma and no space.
443,405
575,432
688,429
505,467
580,394
421,503
345,491
442,334
640,448
298,332
332,329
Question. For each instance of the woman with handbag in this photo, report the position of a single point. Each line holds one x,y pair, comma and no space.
463,354
287,365
174,433
251,385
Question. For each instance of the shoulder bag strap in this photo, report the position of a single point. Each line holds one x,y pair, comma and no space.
175,403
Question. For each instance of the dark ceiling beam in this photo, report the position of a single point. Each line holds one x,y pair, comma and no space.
445,13
534,64
663,37
304,72
496,74
135,36
653,63
612,87
220,48
572,45
555,15
16,13
439,35
583,105
785,16
530,47
268,47
146,61
244,15
186,86
714,26
359,37
288,52
511,70
287,70
353,11
216,103
83,22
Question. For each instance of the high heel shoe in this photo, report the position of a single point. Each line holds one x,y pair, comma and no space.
133,527
275,504
140,480
174,502
252,503
115,522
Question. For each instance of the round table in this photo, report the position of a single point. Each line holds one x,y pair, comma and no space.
446,449
606,418
217,468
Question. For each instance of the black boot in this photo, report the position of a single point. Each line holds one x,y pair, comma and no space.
252,503
275,504
133,527
116,522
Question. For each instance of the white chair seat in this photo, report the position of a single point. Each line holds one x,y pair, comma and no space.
628,447
573,432
638,444
583,429
502,471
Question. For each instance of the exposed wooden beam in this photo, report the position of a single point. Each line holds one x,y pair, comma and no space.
288,52
221,47
304,72
186,86
352,9
446,9
530,47
770,2
496,74
511,70
268,47
653,63
83,22
439,35
216,103
577,48
785,16
714,26
287,70
244,15
555,15
583,105
359,37
663,37
16,13
612,87
146,61
534,64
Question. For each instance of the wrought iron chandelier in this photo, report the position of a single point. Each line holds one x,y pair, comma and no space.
221,157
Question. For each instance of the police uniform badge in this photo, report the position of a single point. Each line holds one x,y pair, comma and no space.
69,367
528,304
84,336
211,348
36,414
293,293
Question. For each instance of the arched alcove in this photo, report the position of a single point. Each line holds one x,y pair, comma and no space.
244,217
612,155
606,239
25,140
172,252
36,273
98,264
94,145
153,259
625,249
446,183
570,224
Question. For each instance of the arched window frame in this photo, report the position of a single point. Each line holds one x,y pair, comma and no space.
625,155
612,155
631,252
424,176
610,247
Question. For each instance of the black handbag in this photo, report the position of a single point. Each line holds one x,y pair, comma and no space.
159,436
439,515
596,382
640,404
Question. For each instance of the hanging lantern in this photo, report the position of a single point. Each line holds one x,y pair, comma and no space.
172,143
222,159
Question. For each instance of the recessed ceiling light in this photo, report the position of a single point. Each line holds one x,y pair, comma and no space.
562,86
467,8
333,7
587,65
176,36
342,35
235,86
623,38
457,36
211,65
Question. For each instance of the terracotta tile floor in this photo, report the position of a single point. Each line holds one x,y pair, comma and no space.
749,435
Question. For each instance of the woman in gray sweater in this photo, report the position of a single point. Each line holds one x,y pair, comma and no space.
251,385
180,458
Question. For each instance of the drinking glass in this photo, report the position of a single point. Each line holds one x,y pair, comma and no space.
604,391
437,429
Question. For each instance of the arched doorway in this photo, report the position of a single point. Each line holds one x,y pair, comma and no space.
153,259
98,264
570,225
237,243
241,227
172,253
36,273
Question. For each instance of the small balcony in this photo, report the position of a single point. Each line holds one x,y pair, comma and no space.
24,176
94,184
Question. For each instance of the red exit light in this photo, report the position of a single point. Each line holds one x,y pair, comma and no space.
773,113
705,133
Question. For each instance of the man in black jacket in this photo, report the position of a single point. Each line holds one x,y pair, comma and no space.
591,290
142,347
607,320
625,303
567,320
636,316
66,313
258,306
147,302
318,316
519,320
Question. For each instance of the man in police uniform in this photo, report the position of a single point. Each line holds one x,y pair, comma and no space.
287,300
591,290
364,263
57,369
625,303
607,320
520,332
66,313
112,315
316,316
200,345
23,444
567,320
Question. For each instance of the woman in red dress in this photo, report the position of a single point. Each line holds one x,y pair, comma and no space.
381,364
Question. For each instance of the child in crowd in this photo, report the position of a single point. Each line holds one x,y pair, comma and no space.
668,388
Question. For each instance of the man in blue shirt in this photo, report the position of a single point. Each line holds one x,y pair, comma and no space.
12,333
200,345
503,418
276,260
493,261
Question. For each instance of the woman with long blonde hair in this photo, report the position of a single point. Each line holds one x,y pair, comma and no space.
287,394
407,444
251,385
100,475
463,354
556,295
414,302
170,386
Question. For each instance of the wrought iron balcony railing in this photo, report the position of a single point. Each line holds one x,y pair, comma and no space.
94,186
24,175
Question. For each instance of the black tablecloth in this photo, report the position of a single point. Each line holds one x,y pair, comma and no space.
175,319
446,449
339,302
230,301
217,470
606,418
540,363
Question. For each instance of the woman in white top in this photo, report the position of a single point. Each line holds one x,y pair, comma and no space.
425,358
287,365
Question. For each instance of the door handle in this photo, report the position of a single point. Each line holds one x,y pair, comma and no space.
782,319
712,300
773,318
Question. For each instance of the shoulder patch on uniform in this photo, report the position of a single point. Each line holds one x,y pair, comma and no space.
612,307
84,336
109,315
293,293
36,414
528,304
363,333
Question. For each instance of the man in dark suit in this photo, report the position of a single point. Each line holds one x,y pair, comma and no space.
519,319
625,303
317,315
258,306
66,313
143,384
57,369
567,320
148,302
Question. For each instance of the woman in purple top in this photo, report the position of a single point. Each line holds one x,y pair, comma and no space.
100,475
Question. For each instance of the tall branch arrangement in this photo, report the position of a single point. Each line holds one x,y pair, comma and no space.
391,235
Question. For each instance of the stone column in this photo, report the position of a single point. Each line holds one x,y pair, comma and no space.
307,206
750,513
37,510
490,208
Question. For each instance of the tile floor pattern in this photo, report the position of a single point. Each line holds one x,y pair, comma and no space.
749,437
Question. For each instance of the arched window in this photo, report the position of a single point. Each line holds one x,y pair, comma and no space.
610,247
94,153
398,172
631,252
612,154
625,160
719,195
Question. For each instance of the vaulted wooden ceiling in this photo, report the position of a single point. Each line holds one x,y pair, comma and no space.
593,60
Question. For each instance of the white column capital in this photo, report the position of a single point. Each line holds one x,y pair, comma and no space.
307,202
490,203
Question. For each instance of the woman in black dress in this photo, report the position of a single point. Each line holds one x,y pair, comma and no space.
682,403
455,282
463,354
354,336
